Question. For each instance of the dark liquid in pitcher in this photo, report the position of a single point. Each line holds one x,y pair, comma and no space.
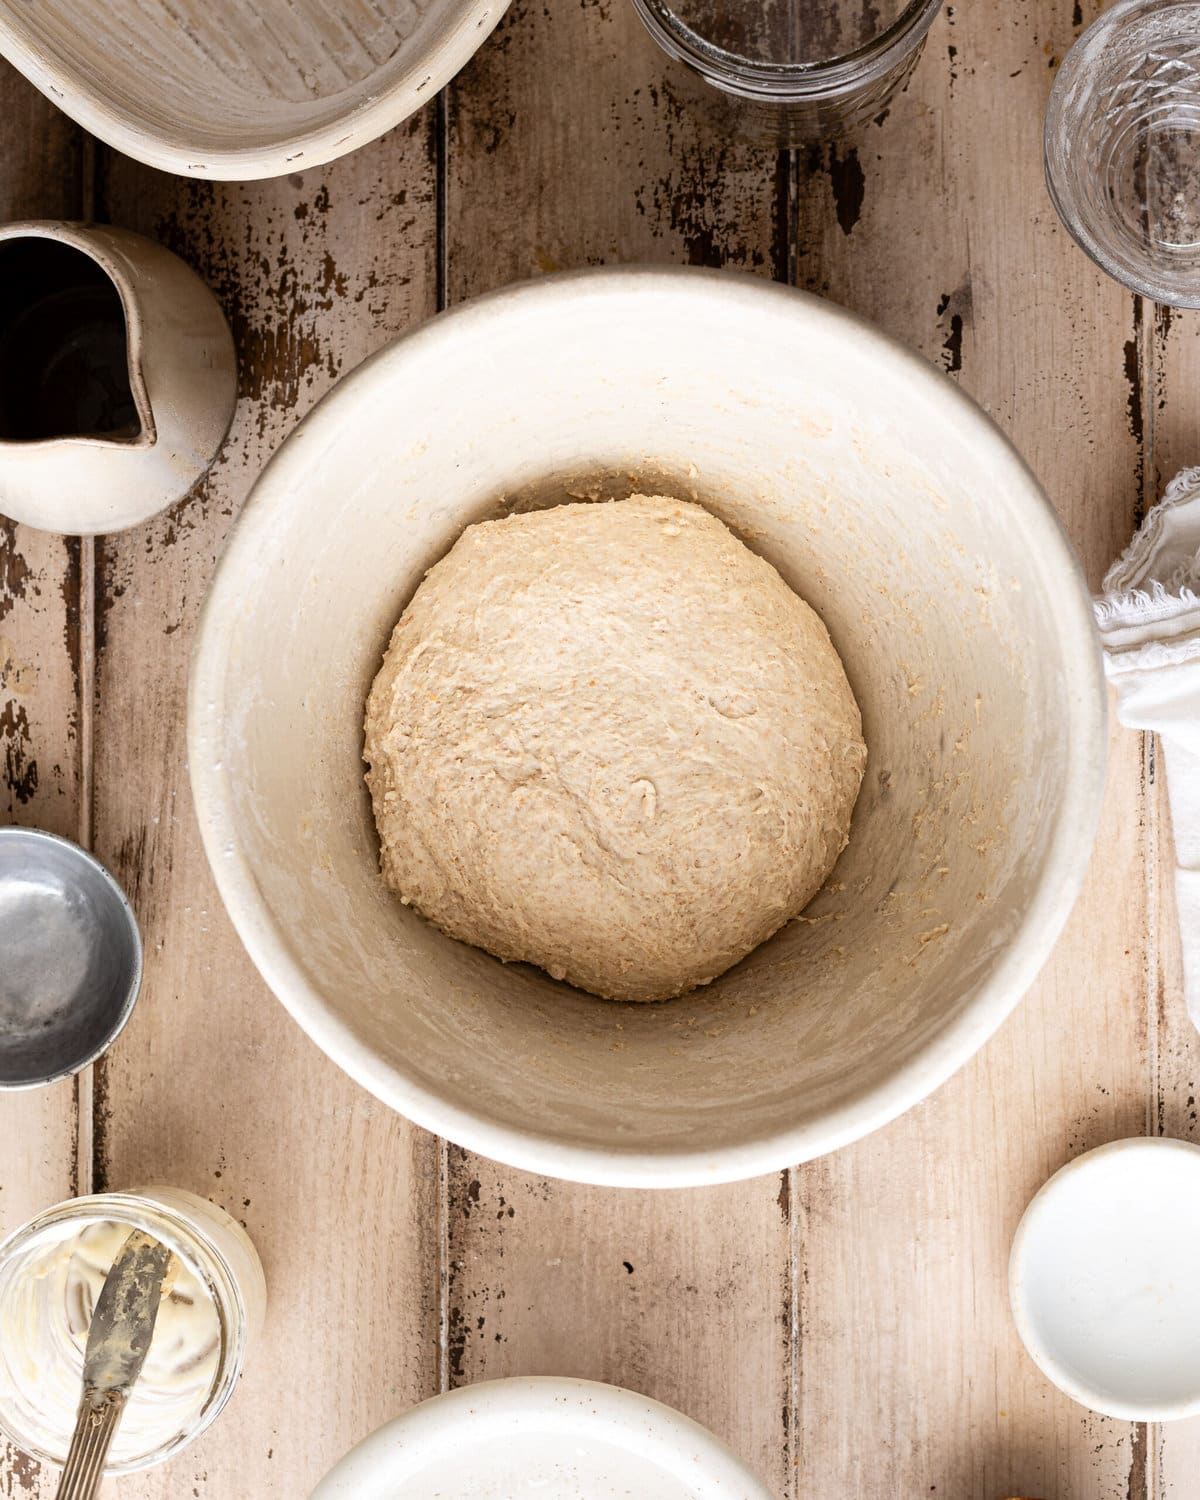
64,362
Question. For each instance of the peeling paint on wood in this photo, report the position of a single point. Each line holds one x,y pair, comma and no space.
1138,1489
315,271
20,1475
539,1272
14,570
904,1237
40,704
1170,376
849,186
580,98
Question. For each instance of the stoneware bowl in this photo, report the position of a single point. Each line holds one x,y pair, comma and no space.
117,376
1105,1279
241,91
885,497
541,1436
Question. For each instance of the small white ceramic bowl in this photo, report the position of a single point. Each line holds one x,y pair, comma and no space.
885,497
1105,1279
570,1439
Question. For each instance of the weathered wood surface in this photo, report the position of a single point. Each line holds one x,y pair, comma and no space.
911,1228
685,1296
44,670
1170,380
844,1325
213,1087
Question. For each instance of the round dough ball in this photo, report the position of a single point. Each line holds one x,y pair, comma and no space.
610,740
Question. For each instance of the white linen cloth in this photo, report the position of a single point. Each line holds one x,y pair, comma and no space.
1149,620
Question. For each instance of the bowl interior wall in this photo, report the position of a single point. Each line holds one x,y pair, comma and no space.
877,507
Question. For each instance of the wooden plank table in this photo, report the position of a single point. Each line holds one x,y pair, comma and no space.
843,1325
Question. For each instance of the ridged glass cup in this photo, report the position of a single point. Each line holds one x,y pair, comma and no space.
1122,146
785,72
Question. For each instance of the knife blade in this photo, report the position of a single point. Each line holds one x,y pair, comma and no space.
119,1338
123,1322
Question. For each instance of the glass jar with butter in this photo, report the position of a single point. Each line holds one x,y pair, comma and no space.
51,1272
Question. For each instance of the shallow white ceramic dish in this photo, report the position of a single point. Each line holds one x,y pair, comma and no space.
886,497
565,1439
1105,1279
247,90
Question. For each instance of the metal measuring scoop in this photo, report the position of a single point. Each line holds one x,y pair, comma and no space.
118,1341
72,958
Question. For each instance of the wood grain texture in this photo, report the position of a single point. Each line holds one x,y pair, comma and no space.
1174,1041
1170,378
42,700
685,1296
900,1305
212,1087
912,1227
568,145
41,691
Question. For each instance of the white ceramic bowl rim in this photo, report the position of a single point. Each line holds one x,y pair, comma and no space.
1050,903
663,1437
1027,1327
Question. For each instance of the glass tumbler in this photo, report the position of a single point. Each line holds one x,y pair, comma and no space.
41,1364
1122,146
784,72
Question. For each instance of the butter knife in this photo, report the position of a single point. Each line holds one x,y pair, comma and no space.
118,1340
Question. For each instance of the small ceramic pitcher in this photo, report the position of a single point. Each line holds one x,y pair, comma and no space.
117,377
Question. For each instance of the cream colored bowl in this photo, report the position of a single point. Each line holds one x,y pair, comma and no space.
543,1436
885,497
1104,1279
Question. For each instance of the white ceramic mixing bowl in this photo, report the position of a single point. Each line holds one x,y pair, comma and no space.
885,497
559,1438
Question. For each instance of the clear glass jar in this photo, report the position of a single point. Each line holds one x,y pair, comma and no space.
1122,146
786,73
41,1345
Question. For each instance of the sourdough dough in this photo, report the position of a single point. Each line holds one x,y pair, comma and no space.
610,740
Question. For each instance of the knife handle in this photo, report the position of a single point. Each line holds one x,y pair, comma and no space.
99,1413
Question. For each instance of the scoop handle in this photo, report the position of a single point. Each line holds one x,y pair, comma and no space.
99,1414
